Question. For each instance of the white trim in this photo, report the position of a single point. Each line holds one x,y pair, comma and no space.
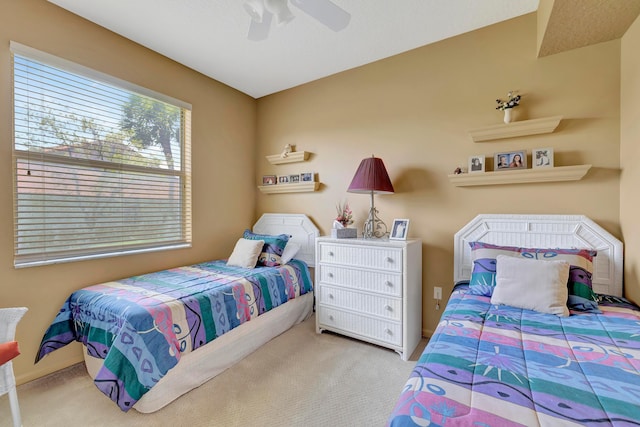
62,259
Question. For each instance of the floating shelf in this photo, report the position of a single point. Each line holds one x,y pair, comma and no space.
296,156
302,187
522,176
515,129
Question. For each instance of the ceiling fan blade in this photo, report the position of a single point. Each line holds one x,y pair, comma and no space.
260,30
325,11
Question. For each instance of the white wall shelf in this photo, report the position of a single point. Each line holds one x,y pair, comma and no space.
294,157
521,176
302,187
515,129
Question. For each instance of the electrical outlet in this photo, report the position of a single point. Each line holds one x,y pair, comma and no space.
437,293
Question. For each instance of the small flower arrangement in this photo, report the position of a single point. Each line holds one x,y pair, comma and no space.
345,216
512,102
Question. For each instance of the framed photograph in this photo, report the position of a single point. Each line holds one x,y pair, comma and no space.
509,160
269,180
542,158
306,177
399,229
294,179
476,164
283,179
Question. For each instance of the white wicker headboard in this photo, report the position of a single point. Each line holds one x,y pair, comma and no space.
298,226
544,231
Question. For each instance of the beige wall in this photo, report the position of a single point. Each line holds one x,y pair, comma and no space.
629,156
223,139
414,111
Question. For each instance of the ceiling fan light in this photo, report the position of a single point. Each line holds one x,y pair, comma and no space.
280,9
255,9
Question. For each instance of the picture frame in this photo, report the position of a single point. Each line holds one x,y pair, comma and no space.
510,160
476,163
294,179
283,179
306,177
399,229
269,180
542,157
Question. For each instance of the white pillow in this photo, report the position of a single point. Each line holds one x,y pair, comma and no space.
532,284
245,253
289,252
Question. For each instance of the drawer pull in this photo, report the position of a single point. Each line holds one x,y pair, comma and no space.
331,317
389,284
330,275
388,307
388,331
330,296
389,259
330,253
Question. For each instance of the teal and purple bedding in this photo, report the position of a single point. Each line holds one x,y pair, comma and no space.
140,326
502,366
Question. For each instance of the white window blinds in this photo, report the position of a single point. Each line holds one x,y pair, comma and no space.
102,167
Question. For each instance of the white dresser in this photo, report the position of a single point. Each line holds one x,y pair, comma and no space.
370,289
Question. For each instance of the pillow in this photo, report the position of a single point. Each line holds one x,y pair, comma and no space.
484,256
245,253
532,284
272,249
289,252
8,350
582,304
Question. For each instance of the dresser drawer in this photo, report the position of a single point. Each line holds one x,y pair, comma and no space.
381,306
372,257
384,283
377,329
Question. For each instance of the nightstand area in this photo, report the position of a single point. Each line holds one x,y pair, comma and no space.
371,290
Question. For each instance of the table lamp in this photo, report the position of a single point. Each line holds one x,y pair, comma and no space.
372,178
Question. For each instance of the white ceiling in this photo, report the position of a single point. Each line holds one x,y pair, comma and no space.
210,36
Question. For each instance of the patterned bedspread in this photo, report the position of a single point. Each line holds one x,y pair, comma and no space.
140,326
502,366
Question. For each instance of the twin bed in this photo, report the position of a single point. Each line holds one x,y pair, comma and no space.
498,364
140,333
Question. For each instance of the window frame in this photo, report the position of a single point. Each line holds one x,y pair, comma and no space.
183,172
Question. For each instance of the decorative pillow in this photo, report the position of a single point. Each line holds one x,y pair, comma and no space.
582,304
532,284
8,350
272,249
484,256
289,252
245,253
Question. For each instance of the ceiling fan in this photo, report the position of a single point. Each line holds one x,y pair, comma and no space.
263,11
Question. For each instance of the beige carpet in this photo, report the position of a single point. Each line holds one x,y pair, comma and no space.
298,379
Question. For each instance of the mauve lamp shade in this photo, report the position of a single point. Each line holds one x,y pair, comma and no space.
371,176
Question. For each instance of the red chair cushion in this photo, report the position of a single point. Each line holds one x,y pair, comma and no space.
8,350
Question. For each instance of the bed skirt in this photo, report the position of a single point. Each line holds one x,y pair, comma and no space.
197,367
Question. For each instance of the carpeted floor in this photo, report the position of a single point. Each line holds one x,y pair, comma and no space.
298,379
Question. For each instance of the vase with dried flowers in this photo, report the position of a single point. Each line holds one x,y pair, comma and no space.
345,215
507,105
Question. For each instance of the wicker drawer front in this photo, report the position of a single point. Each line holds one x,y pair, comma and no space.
383,283
358,256
381,330
386,307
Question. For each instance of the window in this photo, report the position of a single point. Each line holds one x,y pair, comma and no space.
102,167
